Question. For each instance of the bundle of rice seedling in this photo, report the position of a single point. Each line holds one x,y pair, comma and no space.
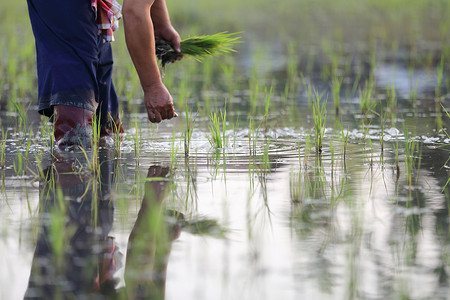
197,46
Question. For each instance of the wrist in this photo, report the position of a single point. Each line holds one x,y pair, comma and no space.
152,86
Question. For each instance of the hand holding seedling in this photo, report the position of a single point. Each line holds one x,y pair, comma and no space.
140,33
197,47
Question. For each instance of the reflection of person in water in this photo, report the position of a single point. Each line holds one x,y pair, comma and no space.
78,259
76,219
150,241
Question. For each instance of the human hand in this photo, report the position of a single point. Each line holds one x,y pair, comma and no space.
169,34
159,103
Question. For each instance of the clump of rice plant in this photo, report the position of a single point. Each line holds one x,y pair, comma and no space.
197,47
218,138
319,115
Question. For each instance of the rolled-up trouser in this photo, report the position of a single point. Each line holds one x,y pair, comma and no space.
74,64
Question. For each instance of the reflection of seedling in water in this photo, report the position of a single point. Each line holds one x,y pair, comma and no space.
370,160
137,140
190,123
266,161
319,115
307,148
173,152
252,137
344,138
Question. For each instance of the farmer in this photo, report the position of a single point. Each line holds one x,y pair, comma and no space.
74,62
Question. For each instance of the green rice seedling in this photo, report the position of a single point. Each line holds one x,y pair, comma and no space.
47,131
392,98
267,98
40,173
380,116
190,123
355,84
336,88
207,71
137,140
252,138
93,164
184,92
310,95
29,142
448,136
293,78
254,92
18,164
218,138
414,96
396,152
319,107
22,121
235,126
437,99
116,136
120,82
198,46
3,149
286,94
307,149
229,72
204,106
365,96
440,75
381,132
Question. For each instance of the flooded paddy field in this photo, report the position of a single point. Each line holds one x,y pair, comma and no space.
310,164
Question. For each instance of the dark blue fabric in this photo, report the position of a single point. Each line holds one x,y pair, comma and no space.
74,64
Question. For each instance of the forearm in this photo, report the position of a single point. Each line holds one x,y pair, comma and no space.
139,36
160,15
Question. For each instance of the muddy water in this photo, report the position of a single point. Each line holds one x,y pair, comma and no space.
266,219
